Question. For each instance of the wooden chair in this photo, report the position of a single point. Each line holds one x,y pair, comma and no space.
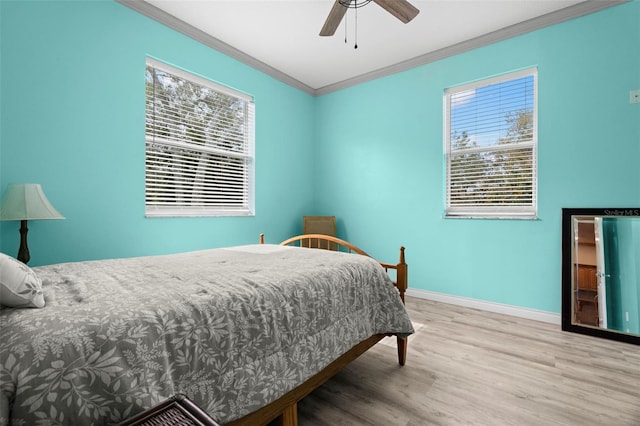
325,225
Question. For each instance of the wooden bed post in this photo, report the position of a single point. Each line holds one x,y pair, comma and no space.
402,350
402,284
402,275
290,416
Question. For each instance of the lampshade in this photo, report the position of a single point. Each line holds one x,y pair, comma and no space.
26,201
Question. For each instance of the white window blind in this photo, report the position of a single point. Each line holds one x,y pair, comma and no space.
199,146
491,147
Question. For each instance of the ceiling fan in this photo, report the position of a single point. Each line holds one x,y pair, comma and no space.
401,9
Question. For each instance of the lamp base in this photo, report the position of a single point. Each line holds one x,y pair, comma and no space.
23,252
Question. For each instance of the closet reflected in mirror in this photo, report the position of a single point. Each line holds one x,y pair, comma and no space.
601,272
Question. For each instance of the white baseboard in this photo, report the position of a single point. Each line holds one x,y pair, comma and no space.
516,311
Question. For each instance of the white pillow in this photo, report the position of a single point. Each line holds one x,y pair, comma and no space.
20,287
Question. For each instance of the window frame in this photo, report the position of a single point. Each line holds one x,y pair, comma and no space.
247,156
476,210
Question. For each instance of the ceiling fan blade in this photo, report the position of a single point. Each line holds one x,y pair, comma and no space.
401,9
333,20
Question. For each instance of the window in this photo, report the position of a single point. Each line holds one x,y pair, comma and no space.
199,146
490,147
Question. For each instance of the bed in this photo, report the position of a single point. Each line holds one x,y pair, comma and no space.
245,332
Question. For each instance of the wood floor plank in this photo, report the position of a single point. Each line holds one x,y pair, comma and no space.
470,367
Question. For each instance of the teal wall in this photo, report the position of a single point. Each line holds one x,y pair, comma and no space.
385,140
72,104
72,85
614,254
622,259
633,325
629,246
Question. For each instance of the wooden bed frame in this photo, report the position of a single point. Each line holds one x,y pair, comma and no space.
284,409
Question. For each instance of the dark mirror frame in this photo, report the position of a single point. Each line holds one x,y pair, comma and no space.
567,272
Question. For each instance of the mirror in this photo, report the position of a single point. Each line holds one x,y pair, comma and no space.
601,272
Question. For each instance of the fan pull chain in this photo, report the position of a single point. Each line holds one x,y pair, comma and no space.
346,21
355,46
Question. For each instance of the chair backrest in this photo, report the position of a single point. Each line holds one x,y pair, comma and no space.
325,225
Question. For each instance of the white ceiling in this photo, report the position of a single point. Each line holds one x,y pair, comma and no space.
281,37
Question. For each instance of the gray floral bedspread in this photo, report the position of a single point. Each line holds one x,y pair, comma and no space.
233,329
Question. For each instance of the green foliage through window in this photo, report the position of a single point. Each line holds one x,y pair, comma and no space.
491,148
199,146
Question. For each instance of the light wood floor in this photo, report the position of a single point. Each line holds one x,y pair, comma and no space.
469,367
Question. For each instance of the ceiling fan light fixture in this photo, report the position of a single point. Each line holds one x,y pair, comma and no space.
354,4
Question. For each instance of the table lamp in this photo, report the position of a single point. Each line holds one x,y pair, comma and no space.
26,201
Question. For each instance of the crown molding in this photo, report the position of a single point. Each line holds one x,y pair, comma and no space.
189,30
571,12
